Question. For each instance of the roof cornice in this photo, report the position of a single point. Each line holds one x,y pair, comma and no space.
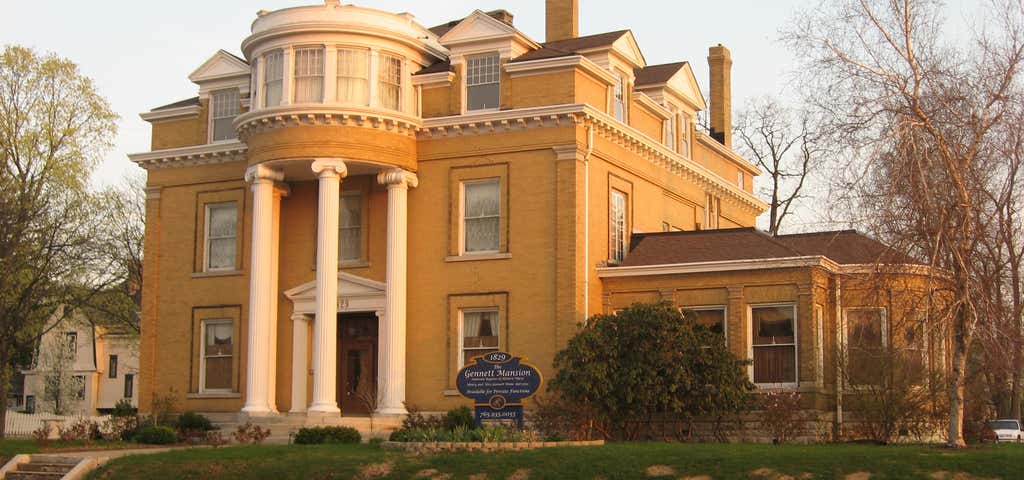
718,266
545,65
717,146
210,154
168,114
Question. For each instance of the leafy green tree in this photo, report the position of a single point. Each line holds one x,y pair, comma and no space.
646,360
54,129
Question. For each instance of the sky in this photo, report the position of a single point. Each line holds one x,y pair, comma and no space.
140,53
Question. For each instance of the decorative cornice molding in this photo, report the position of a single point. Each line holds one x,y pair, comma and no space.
398,178
257,121
433,80
169,114
718,266
210,154
546,65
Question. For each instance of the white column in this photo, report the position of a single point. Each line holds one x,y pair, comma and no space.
391,357
280,190
300,366
325,329
261,278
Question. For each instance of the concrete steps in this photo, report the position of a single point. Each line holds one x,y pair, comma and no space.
40,467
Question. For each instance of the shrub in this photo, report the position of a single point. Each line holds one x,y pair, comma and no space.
215,438
119,427
42,436
459,417
416,420
123,408
316,435
194,421
250,433
649,359
158,435
163,407
80,429
779,415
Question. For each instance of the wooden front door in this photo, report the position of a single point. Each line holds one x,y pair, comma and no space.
357,362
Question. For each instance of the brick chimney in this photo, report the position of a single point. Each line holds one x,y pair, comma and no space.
563,19
720,66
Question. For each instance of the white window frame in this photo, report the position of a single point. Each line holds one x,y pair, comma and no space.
382,60
704,308
295,75
619,97
845,339
484,56
202,353
368,76
796,345
462,215
684,135
267,79
462,336
671,127
358,196
212,134
819,347
206,238
617,238
740,179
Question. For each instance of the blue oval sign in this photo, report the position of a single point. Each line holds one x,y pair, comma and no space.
498,380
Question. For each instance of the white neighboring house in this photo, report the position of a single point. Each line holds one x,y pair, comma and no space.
105,365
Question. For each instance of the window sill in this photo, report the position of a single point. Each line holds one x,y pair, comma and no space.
451,393
472,257
354,264
218,273
214,395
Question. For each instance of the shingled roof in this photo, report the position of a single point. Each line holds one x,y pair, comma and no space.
571,46
500,15
844,247
188,102
655,74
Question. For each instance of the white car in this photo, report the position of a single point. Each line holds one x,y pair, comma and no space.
1006,430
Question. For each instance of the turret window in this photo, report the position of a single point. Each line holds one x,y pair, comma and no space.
309,75
483,82
389,82
353,76
273,76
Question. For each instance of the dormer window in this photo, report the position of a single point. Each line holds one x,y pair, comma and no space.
309,75
670,130
389,82
619,98
483,82
273,76
353,76
224,109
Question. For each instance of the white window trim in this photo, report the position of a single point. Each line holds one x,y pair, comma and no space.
623,83
370,76
362,255
211,118
465,82
725,316
264,64
206,238
324,74
796,345
625,226
202,353
462,315
844,338
380,58
462,216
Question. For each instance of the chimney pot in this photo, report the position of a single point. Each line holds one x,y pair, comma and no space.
562,18
720,69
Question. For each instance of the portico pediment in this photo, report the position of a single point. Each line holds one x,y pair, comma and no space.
355,294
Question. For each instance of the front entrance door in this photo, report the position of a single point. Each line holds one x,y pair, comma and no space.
357,362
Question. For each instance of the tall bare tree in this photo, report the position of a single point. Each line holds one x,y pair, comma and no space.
918,115
786,145
54,128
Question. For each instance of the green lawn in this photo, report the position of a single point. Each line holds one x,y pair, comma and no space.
613,461
10,448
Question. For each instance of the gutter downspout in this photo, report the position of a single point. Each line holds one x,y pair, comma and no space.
838,367
586,222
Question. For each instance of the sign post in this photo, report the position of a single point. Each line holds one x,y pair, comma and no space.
498,383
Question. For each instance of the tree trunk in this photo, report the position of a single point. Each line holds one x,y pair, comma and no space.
955,434
5,383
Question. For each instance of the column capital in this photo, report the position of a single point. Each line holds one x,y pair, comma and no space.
261,173
300,317
397,177
330,167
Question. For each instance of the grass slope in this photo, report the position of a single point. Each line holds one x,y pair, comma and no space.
613,461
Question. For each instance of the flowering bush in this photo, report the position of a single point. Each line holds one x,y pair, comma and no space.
780,415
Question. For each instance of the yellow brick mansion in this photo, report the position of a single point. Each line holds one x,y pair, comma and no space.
344,216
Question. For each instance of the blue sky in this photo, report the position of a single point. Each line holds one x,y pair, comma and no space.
141,52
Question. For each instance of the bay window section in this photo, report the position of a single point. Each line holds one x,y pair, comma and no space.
222,114
309,75
483,82
273,78
353,76
216,356
479,333
481,216
773,328
617,226
350,228
389,82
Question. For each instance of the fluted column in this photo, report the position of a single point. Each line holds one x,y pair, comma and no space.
261,280
330,171
391,356
300,365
